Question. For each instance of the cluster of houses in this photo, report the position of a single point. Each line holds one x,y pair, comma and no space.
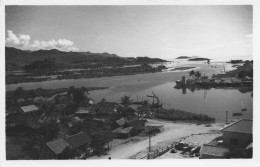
67,147
124,122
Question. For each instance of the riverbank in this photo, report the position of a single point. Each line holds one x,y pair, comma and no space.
182,68
86,73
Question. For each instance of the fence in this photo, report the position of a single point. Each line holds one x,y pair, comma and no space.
116,142
158,152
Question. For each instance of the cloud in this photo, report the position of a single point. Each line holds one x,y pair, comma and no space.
23,41
60,44
13,40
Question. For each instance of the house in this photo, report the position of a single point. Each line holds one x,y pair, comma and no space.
86,102
154,127
209,151
85,112
138,125
55,149
63,98
238,133
121,122
122,132
30,110
79,141
107,108
50,100
39,100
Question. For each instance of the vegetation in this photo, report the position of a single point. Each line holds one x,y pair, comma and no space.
195,74
41,67
174,115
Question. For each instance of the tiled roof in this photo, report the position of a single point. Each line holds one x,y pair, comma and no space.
107,107
78,140
57,146
121,121
215,151
29,108
122,130
241,126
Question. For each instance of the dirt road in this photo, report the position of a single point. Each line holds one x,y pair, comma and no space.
171,131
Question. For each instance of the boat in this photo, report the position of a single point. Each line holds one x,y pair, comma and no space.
237,114
244,109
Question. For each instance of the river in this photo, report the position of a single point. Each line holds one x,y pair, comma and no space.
213,102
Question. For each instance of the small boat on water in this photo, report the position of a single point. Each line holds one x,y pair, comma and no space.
237,114
244,109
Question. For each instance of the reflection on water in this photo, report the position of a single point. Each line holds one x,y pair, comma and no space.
212,102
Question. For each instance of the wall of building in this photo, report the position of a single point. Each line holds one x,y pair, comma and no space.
238,139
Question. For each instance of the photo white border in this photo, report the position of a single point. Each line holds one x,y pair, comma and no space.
255,162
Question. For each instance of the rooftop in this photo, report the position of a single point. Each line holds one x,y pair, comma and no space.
241,126
78,140
122,130
121,121
107,107
29,108
215,151
57,146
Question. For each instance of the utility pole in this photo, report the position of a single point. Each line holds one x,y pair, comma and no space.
226,117
149,142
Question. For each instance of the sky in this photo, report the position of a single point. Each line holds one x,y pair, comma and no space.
219,31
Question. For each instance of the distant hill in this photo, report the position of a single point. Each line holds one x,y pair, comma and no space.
16,58
183,57
199,59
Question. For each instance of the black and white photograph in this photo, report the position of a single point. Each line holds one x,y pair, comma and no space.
128,81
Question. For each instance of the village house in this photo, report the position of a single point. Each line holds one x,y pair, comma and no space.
56,149
122,132
86,108
238,134
30,110
107,108
209,151
79,141
63,98
39,100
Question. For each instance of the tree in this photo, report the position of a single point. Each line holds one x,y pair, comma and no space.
49,130
125,101
70,109
18,93
191,73
197,74
77,94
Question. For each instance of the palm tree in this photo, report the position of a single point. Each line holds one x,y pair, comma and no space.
125,101
191,73
197,75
